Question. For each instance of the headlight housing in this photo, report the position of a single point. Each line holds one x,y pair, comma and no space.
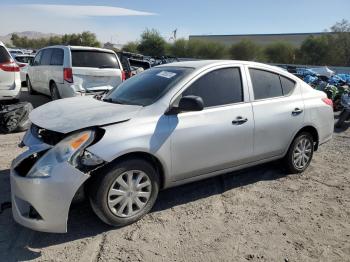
68,150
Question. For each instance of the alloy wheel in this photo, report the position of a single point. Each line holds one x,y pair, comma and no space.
302,153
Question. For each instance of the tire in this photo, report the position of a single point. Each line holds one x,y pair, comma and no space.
342,118
30,88
291,160
55,94
101,196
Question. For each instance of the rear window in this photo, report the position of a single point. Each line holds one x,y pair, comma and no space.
24,59
93,58
4,55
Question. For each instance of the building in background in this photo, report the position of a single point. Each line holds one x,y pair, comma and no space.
261,39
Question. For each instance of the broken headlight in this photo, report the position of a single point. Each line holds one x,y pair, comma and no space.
69,149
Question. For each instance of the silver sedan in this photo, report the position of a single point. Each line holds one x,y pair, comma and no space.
167,126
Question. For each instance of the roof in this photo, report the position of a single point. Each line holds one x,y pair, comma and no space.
204,63
201,64
81,48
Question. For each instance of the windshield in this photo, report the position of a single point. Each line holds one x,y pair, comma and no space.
146,88
93,58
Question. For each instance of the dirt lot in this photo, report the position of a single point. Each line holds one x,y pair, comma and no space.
259,214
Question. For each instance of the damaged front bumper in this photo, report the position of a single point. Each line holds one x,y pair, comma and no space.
42,203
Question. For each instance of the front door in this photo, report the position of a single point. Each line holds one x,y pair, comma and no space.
220,136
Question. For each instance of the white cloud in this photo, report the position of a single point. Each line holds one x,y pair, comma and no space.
85,10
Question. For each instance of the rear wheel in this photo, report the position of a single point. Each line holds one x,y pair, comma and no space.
300,153
124,193
29,86
55,94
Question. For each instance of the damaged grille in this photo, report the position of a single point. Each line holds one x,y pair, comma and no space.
46,136
24,167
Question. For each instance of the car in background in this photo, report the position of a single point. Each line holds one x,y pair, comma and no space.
67,71
23,62
14,52
169,125
10,80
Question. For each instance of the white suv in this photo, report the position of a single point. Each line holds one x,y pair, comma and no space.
67,71
10,80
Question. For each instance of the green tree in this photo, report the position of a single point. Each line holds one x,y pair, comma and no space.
211,50
180,48
130,47
340,43
245,50
152,43
280,52
84,39
315,50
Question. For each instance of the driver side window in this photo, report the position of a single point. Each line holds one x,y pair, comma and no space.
37,59
218,87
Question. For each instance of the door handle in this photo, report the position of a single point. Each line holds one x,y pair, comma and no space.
239,121
297,111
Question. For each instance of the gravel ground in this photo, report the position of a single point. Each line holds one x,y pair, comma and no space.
258,214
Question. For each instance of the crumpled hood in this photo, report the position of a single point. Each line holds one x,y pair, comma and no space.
70,114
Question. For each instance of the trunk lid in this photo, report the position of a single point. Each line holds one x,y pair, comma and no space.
92,79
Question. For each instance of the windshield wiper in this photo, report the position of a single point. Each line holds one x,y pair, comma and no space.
110,100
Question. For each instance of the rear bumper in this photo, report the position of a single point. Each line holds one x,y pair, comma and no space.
72,90
12,93
43,204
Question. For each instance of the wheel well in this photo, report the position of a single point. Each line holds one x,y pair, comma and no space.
311,130
149,158
50,83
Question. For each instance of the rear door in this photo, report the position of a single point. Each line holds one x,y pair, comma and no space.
278,111
7,76
95,70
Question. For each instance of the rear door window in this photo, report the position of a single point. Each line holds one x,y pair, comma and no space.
287,85
57,57
265,84
46,59
4,55
93,58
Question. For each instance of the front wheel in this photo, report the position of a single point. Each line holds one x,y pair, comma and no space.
123,193
300,153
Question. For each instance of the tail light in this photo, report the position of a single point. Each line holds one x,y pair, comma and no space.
21,65
68,75
328,101
9,67
123,76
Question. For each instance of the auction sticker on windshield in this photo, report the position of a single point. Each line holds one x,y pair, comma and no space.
166,74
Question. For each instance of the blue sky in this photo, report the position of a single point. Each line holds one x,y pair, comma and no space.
124,20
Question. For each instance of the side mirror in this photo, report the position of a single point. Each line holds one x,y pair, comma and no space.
188,104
